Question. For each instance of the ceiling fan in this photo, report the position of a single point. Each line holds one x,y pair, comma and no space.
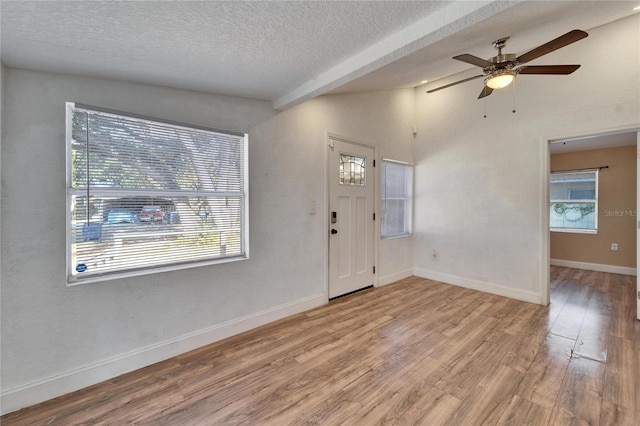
501,70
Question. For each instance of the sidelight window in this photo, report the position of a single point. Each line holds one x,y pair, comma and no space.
396,197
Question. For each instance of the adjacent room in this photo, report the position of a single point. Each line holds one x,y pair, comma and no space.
593,203
351,212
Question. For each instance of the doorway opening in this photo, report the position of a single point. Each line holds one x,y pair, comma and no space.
592,198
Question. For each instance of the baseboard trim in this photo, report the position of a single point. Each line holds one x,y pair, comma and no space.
613,269
486,287
396,276
72,380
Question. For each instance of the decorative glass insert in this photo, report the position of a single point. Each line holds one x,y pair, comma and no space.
352,170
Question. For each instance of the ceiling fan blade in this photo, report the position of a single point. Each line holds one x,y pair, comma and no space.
562,41
453,84
486,91
474,60
548,69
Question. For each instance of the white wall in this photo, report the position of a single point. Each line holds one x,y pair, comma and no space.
382,119
57,338
481,183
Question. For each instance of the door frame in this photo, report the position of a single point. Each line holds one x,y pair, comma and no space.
637,222
327,196
545,244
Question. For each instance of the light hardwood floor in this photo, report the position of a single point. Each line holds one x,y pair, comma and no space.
414,352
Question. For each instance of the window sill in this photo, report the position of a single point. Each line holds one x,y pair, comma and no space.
393,237
575,230
79,280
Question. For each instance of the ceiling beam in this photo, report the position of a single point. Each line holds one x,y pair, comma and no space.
452,18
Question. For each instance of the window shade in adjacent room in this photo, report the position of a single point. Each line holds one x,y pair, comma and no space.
574,201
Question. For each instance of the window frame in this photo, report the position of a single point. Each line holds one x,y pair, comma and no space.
408,200
593,230
151,269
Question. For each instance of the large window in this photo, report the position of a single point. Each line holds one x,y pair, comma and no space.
396,196
574,201
145,195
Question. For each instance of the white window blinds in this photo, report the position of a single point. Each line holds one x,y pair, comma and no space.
146,195
396,197
574,201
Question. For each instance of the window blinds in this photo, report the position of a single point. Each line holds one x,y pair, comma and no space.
396,196
574,201
146,195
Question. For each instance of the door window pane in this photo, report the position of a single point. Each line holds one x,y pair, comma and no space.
352,170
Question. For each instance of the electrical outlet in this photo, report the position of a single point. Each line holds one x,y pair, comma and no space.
614,246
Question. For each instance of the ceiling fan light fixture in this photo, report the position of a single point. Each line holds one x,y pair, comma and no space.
501,70
500,80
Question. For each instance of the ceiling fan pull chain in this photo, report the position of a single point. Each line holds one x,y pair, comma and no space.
485,107
514,96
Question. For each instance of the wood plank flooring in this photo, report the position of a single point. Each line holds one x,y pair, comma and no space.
414,352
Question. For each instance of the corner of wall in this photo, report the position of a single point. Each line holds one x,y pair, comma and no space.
486,287
396,276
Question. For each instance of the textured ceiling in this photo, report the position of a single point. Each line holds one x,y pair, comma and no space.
284,51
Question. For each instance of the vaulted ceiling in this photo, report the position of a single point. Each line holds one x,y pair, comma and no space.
286,51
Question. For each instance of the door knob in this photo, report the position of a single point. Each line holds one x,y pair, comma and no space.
333,231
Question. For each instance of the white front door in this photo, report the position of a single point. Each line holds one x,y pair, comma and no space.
351,219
